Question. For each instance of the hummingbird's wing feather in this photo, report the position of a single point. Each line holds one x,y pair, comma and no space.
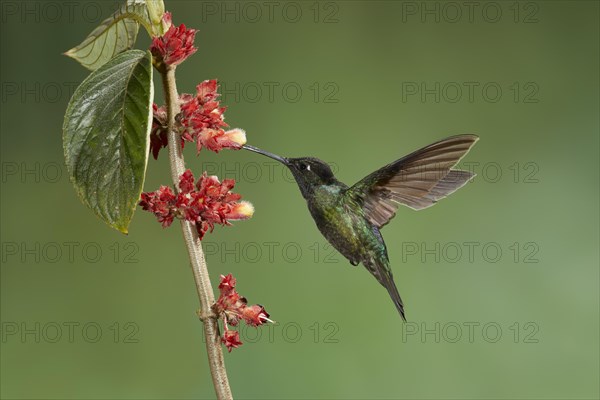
417,180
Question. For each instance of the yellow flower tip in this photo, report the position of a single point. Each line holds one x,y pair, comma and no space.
242,210
237,135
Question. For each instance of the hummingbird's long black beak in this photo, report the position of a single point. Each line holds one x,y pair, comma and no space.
282,160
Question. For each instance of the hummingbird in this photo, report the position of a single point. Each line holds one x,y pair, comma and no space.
350,218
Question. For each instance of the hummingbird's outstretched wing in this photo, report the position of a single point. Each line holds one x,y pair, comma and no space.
417,180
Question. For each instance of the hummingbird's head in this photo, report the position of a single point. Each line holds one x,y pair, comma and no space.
309,172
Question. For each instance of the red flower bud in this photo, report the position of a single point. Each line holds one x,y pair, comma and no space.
255,315
175,45
186,182
227,283
231,340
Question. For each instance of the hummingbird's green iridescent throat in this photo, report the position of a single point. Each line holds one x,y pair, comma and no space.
350,218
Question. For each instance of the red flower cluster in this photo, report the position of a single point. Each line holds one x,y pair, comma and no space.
234,307
202,120
175,45
206,203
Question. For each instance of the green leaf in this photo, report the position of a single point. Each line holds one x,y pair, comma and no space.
106,136
117,33
156,10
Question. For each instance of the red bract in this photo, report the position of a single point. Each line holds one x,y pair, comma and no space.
227,283
160,203
175,45
231,340
202,120
206,203
233,307
186,182
158,134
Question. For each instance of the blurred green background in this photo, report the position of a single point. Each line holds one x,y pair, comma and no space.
500,281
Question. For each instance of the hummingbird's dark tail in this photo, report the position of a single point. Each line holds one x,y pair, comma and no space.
393,291
381,270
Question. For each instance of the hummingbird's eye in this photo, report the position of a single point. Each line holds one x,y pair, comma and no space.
304,166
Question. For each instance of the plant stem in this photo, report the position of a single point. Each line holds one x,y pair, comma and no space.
214,349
